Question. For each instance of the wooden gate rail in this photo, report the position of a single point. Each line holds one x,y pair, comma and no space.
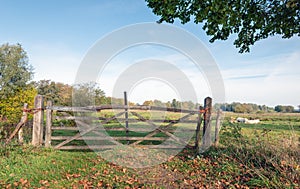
107,147
114,129
181,120
108,138
119,107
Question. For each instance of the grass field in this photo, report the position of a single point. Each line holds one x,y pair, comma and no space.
266,155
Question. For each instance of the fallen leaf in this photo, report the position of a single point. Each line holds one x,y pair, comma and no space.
100,183
76,175
105,172
23,181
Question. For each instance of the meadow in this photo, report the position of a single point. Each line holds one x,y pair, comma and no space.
265,155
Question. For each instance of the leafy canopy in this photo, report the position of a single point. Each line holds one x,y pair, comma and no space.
58,93
251,20
15,71
87,94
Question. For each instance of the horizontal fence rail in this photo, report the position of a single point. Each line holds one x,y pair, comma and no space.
59,118
116,129
118,107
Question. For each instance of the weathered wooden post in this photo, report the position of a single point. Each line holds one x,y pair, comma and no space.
199,121
20,135
206,139
48,131
126,114
218,125
38,118
24,116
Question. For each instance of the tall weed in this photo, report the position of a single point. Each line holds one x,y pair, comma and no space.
274,163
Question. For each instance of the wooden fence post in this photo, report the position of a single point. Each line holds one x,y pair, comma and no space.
199,121
38,118
218,125
20,132
206,139
126,114
48,124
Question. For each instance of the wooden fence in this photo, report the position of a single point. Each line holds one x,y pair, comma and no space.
128,115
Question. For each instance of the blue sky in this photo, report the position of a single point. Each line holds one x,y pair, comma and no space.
57,34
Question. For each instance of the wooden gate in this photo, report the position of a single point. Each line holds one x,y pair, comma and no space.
127,126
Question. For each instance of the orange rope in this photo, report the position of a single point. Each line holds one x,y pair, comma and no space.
204,110
33,110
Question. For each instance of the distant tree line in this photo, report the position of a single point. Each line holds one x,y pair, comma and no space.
189,105
243,107
253,108
284,109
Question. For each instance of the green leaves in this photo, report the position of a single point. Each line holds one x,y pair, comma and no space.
15,71
11,108
251,20
87,94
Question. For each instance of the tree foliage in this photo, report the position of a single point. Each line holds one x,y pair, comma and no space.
63,94
87,94
243,107
189,105
284,109
49,90
11,108
58,93
251,20
175,104
15,71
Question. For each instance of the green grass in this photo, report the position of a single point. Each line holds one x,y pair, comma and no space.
53,169
266,155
